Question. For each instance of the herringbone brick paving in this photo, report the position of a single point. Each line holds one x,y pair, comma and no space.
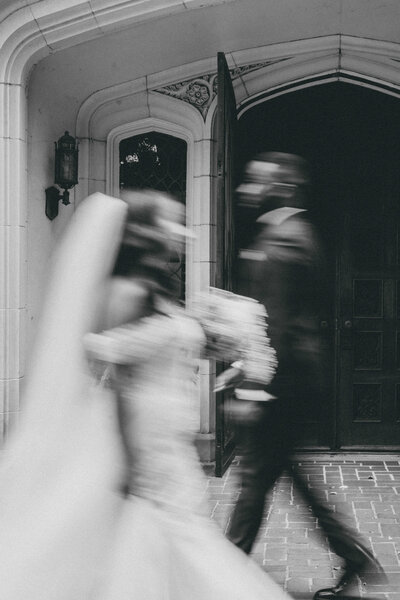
290,545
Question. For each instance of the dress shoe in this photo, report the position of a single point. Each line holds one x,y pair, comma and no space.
348,588
339,593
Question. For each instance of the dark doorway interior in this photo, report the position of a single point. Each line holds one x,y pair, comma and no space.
350,136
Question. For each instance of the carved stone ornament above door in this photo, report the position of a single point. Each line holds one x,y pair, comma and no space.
201,91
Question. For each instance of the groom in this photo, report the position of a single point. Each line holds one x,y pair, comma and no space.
282,268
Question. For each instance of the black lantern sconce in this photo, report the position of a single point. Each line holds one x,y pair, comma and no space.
65,175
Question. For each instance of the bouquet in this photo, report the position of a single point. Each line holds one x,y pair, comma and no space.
236,331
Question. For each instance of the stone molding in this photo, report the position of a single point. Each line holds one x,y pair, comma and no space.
32,29
253,73
201,91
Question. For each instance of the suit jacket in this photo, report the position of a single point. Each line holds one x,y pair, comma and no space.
282,269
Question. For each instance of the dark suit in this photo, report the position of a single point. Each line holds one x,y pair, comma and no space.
282,269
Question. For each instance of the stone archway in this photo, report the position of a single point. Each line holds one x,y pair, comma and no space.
32,30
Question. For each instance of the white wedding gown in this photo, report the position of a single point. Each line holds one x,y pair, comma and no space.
67,533
165,547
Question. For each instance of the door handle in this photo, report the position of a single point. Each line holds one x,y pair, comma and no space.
346,334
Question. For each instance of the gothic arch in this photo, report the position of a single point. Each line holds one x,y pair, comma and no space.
118,112
324,79
136,128
111,114
30,31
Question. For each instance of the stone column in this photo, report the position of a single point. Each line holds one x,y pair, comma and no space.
13,237
203,266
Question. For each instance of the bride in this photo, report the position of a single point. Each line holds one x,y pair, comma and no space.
101,491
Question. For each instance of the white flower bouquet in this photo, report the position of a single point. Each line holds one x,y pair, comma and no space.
236,330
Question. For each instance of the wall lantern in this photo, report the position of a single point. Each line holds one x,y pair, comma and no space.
65,174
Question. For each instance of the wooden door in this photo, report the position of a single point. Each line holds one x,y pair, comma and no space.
369,308
224,277
350,137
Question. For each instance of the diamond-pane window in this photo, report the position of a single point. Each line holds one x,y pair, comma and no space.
156,161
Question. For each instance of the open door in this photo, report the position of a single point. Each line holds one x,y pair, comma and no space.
224,276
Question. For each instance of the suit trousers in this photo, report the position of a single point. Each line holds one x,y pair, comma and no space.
266,449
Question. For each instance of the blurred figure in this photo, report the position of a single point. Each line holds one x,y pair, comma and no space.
281,267
101,490
165,546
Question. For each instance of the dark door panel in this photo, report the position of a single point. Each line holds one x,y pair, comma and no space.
225,134
350,137
368,308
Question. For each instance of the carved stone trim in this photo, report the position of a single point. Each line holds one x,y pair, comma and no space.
201,91
245,69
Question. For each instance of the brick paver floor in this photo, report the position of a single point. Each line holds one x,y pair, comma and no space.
290,545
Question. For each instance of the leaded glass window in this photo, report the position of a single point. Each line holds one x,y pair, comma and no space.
157,161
